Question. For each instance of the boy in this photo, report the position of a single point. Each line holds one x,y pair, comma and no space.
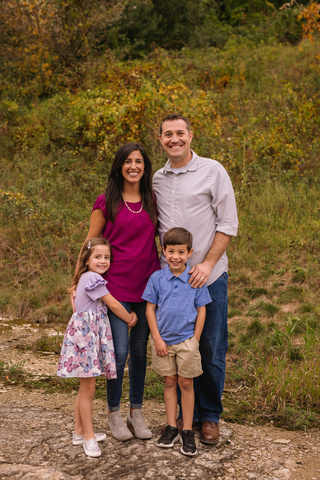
176,314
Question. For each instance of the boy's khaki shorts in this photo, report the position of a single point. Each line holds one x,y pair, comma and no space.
183,359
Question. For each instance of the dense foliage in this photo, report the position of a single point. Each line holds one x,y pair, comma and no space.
44,43
249,82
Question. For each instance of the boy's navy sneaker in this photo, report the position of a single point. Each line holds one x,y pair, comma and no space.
169,437
188,445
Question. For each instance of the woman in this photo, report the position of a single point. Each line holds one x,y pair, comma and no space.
126,215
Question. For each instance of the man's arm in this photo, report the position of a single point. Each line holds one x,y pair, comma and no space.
201,316
160,345
201,271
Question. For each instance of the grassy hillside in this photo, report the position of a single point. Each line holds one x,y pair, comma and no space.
254,108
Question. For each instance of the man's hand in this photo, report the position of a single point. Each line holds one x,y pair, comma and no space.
161,347
200,274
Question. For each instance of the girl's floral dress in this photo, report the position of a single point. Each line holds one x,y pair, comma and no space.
87,349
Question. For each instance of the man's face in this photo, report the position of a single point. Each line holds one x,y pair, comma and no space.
176,140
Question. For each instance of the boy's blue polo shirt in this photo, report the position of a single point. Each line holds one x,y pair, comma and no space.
177,303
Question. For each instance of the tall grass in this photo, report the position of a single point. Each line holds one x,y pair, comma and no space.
274,334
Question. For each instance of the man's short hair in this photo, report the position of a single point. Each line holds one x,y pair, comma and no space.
177,236
175,116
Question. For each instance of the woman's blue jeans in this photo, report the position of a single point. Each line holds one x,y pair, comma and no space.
134,341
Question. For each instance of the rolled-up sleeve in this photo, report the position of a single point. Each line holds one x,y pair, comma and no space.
223,201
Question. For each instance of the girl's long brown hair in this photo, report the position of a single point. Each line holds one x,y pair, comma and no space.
115,183
85,253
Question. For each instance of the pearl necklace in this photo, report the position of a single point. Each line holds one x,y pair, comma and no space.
132,211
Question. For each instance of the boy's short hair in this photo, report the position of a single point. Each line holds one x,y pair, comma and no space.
175,116
177,236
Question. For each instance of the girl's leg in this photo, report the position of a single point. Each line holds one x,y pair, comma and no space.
84,406
138,355
170,398
187,401
78,427
120,337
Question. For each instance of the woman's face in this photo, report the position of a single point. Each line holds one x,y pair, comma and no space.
133,167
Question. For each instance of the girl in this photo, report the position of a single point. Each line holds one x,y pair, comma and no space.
87,349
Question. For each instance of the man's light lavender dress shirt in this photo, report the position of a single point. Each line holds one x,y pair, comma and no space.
200,198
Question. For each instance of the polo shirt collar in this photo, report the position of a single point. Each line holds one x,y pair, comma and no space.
184,275
190,167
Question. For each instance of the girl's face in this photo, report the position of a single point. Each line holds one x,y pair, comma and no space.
99,260
133,168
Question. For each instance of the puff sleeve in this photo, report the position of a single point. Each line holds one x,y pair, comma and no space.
96,286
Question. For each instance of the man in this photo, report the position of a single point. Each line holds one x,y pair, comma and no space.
196,193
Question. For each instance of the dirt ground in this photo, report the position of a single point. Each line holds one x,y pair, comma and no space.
36,430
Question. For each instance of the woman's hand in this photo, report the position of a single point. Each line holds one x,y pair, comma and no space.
72,298
134,320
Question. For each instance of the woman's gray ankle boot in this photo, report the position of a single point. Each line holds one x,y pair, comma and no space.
118,429
137,425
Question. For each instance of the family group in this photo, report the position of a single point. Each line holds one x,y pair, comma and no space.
123,291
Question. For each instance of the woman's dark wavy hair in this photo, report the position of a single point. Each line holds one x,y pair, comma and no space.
115,183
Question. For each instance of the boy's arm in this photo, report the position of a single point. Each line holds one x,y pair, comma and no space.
159,344
201,316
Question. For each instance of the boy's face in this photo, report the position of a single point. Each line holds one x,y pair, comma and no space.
176,256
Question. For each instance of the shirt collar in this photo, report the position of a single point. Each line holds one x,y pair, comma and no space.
184,277
190,167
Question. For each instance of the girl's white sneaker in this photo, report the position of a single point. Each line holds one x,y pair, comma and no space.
91,448
78,439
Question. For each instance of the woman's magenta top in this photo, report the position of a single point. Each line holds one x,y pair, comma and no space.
134,251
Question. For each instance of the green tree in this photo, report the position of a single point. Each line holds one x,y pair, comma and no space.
170,24
40,37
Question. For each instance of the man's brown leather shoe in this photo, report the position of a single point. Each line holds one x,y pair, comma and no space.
180,424
209,433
